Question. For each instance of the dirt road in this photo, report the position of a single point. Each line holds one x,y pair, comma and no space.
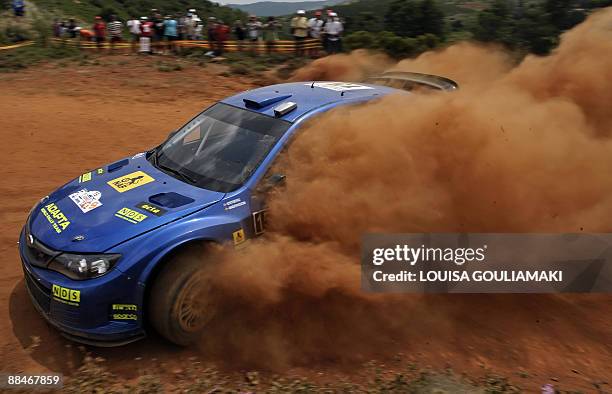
57,122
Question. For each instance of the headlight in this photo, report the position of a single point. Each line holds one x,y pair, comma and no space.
83,266
42,200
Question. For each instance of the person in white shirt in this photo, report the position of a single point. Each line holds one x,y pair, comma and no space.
134,28
254,29
333,32
315,31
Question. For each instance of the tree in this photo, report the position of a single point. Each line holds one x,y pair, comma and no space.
410,18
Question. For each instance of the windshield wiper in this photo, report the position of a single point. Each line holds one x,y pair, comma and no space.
171,170
177,172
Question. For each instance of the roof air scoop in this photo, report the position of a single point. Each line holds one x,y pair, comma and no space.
284,109
259,101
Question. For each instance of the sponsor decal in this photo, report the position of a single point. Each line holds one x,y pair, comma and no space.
125,316
125,307
66,296
339,86
130,181
238,237
122,312
86,200
155,210
100,171
55,217
86,177
235,203
130,215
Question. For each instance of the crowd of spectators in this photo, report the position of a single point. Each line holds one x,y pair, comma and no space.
157,34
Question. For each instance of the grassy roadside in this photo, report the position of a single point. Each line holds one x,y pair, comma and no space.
21,58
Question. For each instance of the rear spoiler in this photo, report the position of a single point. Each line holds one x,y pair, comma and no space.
409,81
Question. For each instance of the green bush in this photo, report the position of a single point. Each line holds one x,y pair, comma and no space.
392,44
361,39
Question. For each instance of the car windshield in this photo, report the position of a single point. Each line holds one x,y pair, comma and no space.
220,148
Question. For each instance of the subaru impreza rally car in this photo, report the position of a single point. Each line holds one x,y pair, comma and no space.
105,257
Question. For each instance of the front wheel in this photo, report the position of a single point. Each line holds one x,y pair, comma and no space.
180,303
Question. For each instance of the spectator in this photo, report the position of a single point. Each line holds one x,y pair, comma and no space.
158,32
182,25
72,28
56,28
211,34
63,29
221,35
315,31
190,24
134,27
254,32
240,33
170,32
99,29
115,31
333,32
19,8
270,33
146,33
194,15
198,31
299,31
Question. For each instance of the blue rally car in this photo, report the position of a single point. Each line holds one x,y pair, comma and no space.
105,256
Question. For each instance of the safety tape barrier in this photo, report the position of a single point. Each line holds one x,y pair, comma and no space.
21,44
275,46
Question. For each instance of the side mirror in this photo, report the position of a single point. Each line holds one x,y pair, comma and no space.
276,180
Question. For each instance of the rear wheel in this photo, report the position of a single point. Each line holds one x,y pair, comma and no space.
180,303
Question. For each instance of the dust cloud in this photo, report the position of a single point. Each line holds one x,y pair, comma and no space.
522,147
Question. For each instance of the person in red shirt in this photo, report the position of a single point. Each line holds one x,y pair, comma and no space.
146,34
99,29
222,32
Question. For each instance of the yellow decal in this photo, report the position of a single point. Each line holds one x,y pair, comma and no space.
67,296
130,215
86,177
100,171
55,217
125,307
130,181
125,316
238,237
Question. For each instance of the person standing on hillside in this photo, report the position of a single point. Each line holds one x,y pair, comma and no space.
115,32
315,31
146,33
240,33
221,35
72,28
299,31
19,8
254,32
99,29
270,33
333,32
134,27
170,32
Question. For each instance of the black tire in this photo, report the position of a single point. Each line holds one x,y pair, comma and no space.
180,303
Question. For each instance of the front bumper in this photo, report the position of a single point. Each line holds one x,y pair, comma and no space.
90,317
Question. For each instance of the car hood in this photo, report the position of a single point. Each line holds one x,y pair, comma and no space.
112,204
